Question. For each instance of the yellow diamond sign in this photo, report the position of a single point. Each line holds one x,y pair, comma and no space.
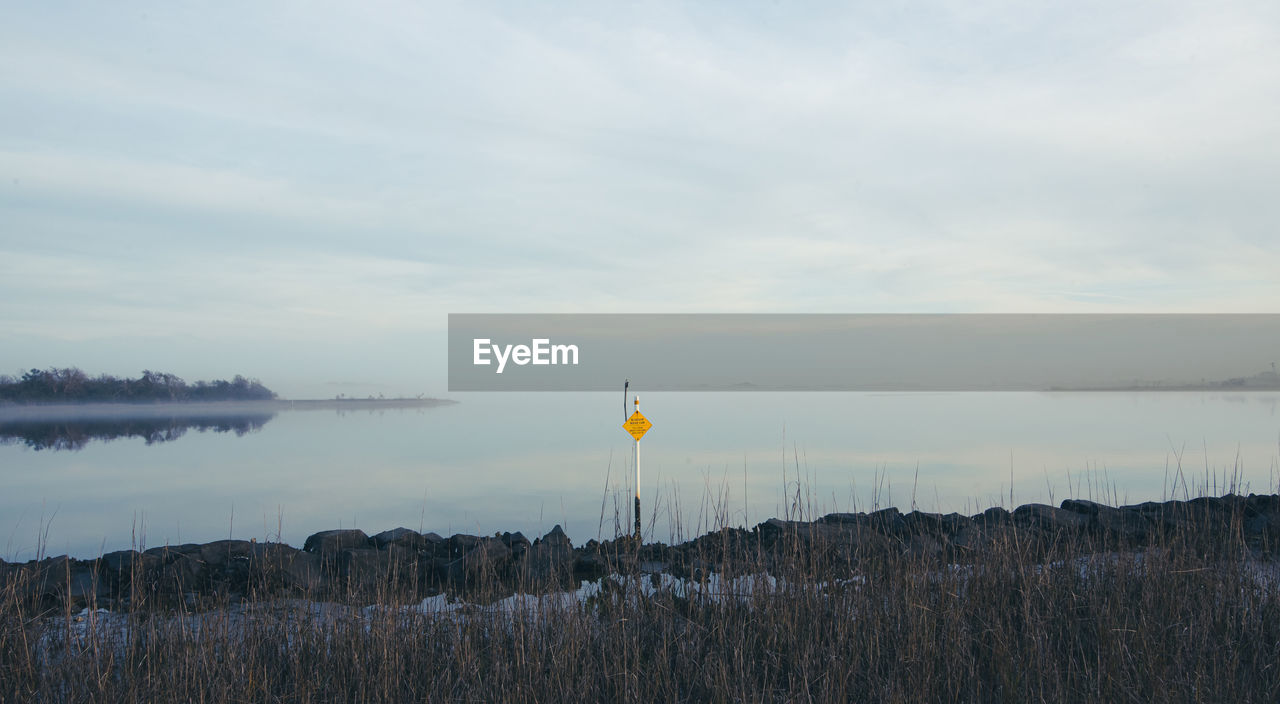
637,425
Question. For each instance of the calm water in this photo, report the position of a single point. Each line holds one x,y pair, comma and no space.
526,462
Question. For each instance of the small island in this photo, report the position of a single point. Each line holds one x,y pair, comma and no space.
71,385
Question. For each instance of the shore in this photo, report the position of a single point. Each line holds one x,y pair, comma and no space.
60,411
1176,601
351,565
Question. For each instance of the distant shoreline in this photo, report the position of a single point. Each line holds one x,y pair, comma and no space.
147,408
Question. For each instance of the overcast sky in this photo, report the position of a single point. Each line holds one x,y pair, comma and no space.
302,192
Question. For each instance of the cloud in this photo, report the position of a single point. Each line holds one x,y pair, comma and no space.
261,170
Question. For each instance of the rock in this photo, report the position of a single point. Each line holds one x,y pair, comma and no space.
886,520
550,559
334,541
405,538
485,558
219,552
517,543
994,516
460,544
62,577
1049,518
970,539
590,566
1262,505
918,522
180,573
1082,506
165,552
121,564
294,570
484,562
924,547
369,571
557,535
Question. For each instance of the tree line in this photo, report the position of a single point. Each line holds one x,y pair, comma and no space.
72,385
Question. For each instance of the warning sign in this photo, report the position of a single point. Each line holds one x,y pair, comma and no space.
637,425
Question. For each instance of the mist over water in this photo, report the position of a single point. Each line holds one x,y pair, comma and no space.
525,462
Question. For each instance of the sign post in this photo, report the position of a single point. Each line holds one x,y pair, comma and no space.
637,425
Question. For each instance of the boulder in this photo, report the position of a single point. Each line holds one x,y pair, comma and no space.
557,536
61,577
165,552
1262,505
921,523
517,542
550,558
1049,518
994,516
403,537
328,542
369,571
924,546
461,544
220,552
119,565
1124,523
301,571
886,520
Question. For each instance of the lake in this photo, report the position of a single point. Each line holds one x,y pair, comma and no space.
526,462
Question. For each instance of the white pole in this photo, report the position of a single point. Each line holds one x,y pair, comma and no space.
637,480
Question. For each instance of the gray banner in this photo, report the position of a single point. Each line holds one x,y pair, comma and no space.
784,352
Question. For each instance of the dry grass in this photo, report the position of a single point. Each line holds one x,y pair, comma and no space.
1177,620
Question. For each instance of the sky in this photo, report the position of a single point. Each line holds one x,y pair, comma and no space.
302,192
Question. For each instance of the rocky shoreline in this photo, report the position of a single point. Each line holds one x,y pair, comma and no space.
402,564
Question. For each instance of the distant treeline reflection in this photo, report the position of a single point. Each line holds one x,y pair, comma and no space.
75,433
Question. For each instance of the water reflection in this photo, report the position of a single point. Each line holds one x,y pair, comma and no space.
75,427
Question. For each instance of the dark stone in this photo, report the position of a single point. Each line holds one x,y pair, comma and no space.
122,563
970,539
1128,524
482,562
292,570
1048,518
461,543
590,566
1082,506
557,535
1123,523
924,546
517,543
1261,505
220,552
550,559
335,541
886,520
994,516
367,571
918,522
61,577
178,574
403,537
167,552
